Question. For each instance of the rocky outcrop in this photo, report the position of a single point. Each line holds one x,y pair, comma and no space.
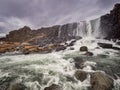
110,23
43,36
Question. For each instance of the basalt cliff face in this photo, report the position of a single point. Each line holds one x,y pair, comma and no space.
43,36
110,23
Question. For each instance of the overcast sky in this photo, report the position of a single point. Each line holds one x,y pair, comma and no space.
37,13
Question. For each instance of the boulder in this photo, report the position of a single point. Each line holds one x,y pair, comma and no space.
81,75
83,48
101,81
54,87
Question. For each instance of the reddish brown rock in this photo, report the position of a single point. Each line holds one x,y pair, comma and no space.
101,81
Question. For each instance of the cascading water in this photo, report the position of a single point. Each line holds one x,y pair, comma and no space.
81,29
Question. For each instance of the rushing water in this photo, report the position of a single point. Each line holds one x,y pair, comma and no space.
37,71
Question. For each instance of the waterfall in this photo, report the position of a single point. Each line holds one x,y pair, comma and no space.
81,29
96,28
59,32
90,28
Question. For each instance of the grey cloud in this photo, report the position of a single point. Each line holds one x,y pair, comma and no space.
37,13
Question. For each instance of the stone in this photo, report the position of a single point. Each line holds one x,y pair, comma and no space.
53,87
81,75
101,81
83,48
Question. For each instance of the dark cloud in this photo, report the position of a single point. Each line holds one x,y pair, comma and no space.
37,13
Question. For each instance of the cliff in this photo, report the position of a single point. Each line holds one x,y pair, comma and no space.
110,23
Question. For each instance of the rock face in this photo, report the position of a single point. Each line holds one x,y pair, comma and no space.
101,81
43,36
110,23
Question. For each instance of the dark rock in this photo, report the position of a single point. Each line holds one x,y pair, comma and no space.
71,43
60,47
110,24
116,48
78,62
105,45
54,87
101,81
83,48
81,75
89,53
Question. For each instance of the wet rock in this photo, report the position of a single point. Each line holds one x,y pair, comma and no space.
89,53
116,48
78,62
105,45
60,47
83,48
81,75
54,87
71,43
101,81
17,86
